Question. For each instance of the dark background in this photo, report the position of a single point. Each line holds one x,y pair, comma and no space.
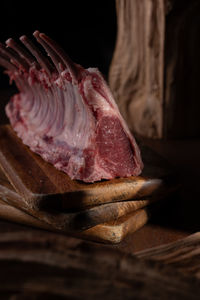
85,29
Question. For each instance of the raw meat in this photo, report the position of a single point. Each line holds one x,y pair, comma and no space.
66,113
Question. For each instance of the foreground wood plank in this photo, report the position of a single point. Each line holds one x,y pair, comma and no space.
55,267
183,255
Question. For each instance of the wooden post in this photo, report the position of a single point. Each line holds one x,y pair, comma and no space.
154,74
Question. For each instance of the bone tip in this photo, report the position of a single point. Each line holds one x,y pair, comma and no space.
22,38
43,36
9,42
36,33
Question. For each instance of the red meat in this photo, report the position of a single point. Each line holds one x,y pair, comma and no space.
66,113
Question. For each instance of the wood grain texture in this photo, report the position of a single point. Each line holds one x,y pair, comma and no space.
112,232
55,267
115,231
41,185
183,255
67,220
136,71
154,74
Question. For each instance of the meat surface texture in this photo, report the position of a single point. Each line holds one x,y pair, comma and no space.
66,113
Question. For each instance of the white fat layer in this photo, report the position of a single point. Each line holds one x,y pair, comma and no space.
95,99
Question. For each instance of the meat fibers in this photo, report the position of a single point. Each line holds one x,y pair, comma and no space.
66,113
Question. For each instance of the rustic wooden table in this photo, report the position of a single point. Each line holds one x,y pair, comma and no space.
36,252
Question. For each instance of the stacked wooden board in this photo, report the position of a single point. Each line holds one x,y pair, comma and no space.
33,192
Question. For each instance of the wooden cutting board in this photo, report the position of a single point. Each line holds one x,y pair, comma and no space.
33,192
75,221
39,185
111,232
126,217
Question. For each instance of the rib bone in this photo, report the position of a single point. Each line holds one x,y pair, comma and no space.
67,114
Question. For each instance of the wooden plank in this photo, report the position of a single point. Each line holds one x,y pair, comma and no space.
111,232
115,231
136,71
150,82
55,267
77,220
184,255
41,185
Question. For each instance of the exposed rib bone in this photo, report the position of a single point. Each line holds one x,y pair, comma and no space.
12,55
22,52
5,62
60,52
43,62
54,57
68,117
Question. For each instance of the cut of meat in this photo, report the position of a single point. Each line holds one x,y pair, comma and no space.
111,137
66,113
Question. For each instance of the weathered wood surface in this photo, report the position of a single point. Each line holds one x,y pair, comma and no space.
41,185
136,72
115,231
154,73
55,267
72,220
89,223
182,255
112,232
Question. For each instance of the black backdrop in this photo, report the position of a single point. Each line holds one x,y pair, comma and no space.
86,29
